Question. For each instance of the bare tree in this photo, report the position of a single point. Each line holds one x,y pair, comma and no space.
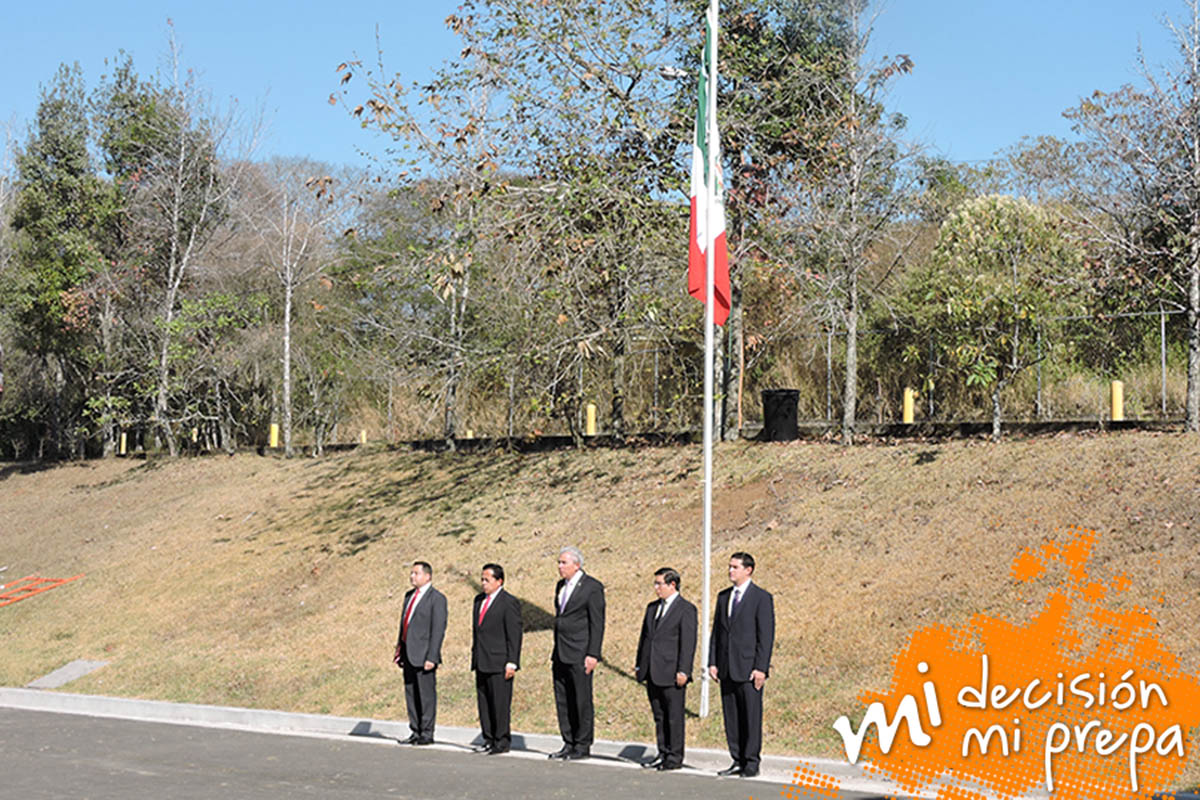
853,193
570,98
178,158
1142,183
294,208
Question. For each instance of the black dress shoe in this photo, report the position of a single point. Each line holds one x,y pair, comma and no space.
497,751
482,748
664,767
424,740
732,769
575,755
410,740
563,753
749,772
652,764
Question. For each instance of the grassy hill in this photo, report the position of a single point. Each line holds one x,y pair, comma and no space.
277,584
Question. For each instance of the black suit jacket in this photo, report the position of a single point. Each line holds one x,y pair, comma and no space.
743,643
668,647
579,627
497,641
426,629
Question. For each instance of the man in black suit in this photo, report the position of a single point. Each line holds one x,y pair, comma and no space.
419,650
578,636
495,658
739,656
666,649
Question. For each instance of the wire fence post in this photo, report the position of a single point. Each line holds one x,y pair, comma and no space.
654,400
1037,404
1048,398
1162,339
829,374
930,382
391,412
512,401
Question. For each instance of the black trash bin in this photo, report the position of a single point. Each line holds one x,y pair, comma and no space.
779,415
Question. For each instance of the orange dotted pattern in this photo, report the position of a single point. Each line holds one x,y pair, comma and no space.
808,782
1072,634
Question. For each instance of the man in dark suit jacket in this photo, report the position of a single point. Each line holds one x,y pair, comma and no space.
666,649
495,658
739,656
419,650
578,636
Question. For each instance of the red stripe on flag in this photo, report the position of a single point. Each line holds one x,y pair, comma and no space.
697,267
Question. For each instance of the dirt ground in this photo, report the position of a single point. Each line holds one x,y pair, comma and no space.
257,581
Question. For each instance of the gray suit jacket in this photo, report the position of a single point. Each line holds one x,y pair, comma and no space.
426,629
579,628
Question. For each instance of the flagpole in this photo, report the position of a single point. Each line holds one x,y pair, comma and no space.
709,323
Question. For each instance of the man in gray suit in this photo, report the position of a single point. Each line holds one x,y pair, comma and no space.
419,650
578,639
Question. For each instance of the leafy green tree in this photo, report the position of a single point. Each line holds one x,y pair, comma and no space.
1001,267
61,210
6,203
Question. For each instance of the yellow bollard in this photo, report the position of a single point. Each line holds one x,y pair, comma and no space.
274,434
123,443
470,433
362,436
1118,401
590,430
910,397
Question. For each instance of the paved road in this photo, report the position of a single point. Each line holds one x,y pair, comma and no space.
49,755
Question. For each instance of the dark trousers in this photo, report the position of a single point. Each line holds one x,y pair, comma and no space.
494,696
742,706
420,695
573,698
666,703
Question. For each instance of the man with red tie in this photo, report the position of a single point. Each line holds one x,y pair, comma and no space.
419,650
495,658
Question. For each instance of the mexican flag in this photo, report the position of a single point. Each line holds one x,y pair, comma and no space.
699,238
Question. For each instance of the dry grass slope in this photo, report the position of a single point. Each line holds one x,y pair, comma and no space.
276,584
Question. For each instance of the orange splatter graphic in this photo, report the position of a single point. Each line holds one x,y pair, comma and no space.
1082,701
1027,567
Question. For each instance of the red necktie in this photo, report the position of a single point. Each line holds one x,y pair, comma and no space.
408,615
487,601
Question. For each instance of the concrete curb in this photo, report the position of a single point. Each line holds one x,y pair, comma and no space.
774,769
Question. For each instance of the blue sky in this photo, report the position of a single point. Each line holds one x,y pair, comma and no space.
989,71
986,73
